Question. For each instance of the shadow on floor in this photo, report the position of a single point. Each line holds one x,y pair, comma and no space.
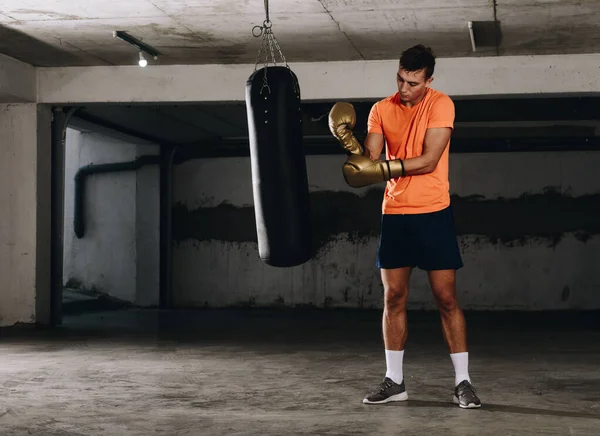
498,408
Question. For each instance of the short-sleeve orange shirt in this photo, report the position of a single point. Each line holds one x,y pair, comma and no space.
404,132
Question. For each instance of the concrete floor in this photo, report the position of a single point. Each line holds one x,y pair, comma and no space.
262,372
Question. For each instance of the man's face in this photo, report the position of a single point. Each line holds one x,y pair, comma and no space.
412,85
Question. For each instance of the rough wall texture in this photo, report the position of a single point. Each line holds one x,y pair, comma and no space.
548,216
118,254
527,225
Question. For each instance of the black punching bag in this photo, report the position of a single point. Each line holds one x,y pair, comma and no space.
279,179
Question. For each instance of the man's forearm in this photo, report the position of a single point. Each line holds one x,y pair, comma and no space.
418,165
369,153
362,171
373,145
413,166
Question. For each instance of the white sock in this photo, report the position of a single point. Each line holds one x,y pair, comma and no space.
461,367
393,360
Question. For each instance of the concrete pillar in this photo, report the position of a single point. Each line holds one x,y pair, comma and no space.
25,193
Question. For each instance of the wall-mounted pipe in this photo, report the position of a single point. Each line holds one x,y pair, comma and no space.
83,172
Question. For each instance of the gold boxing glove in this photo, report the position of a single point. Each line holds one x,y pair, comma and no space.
361,171
342,119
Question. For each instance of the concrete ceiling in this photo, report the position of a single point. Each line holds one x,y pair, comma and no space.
77,33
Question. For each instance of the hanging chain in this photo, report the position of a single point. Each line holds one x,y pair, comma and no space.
270,45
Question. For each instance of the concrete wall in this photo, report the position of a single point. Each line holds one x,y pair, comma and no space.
527,222
119,253
459,77
24,214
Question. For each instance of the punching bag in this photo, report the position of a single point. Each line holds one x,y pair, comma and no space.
279,179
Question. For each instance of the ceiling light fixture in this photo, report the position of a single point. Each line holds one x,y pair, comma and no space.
142,62
142,47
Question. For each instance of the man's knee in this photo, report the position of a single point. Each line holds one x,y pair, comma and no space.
395,297
446,299
443,286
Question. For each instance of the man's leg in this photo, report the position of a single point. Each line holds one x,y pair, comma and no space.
394,327
395,264
395,295
395,285
440,256
443,285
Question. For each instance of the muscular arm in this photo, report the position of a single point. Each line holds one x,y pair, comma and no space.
366,169
363,167
435,143
374,145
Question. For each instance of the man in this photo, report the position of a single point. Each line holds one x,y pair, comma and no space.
417,226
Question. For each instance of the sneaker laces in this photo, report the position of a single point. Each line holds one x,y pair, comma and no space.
384,385
466,387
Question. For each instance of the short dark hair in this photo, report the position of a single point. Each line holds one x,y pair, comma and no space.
417,58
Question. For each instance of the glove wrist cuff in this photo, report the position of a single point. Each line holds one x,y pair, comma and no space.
394,168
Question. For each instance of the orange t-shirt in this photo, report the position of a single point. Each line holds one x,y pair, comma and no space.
404,132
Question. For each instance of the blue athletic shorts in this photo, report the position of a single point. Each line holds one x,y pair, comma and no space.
427,241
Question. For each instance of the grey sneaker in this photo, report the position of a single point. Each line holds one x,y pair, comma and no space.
387,391
465,396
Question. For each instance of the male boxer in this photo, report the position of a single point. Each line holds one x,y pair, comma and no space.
417,226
